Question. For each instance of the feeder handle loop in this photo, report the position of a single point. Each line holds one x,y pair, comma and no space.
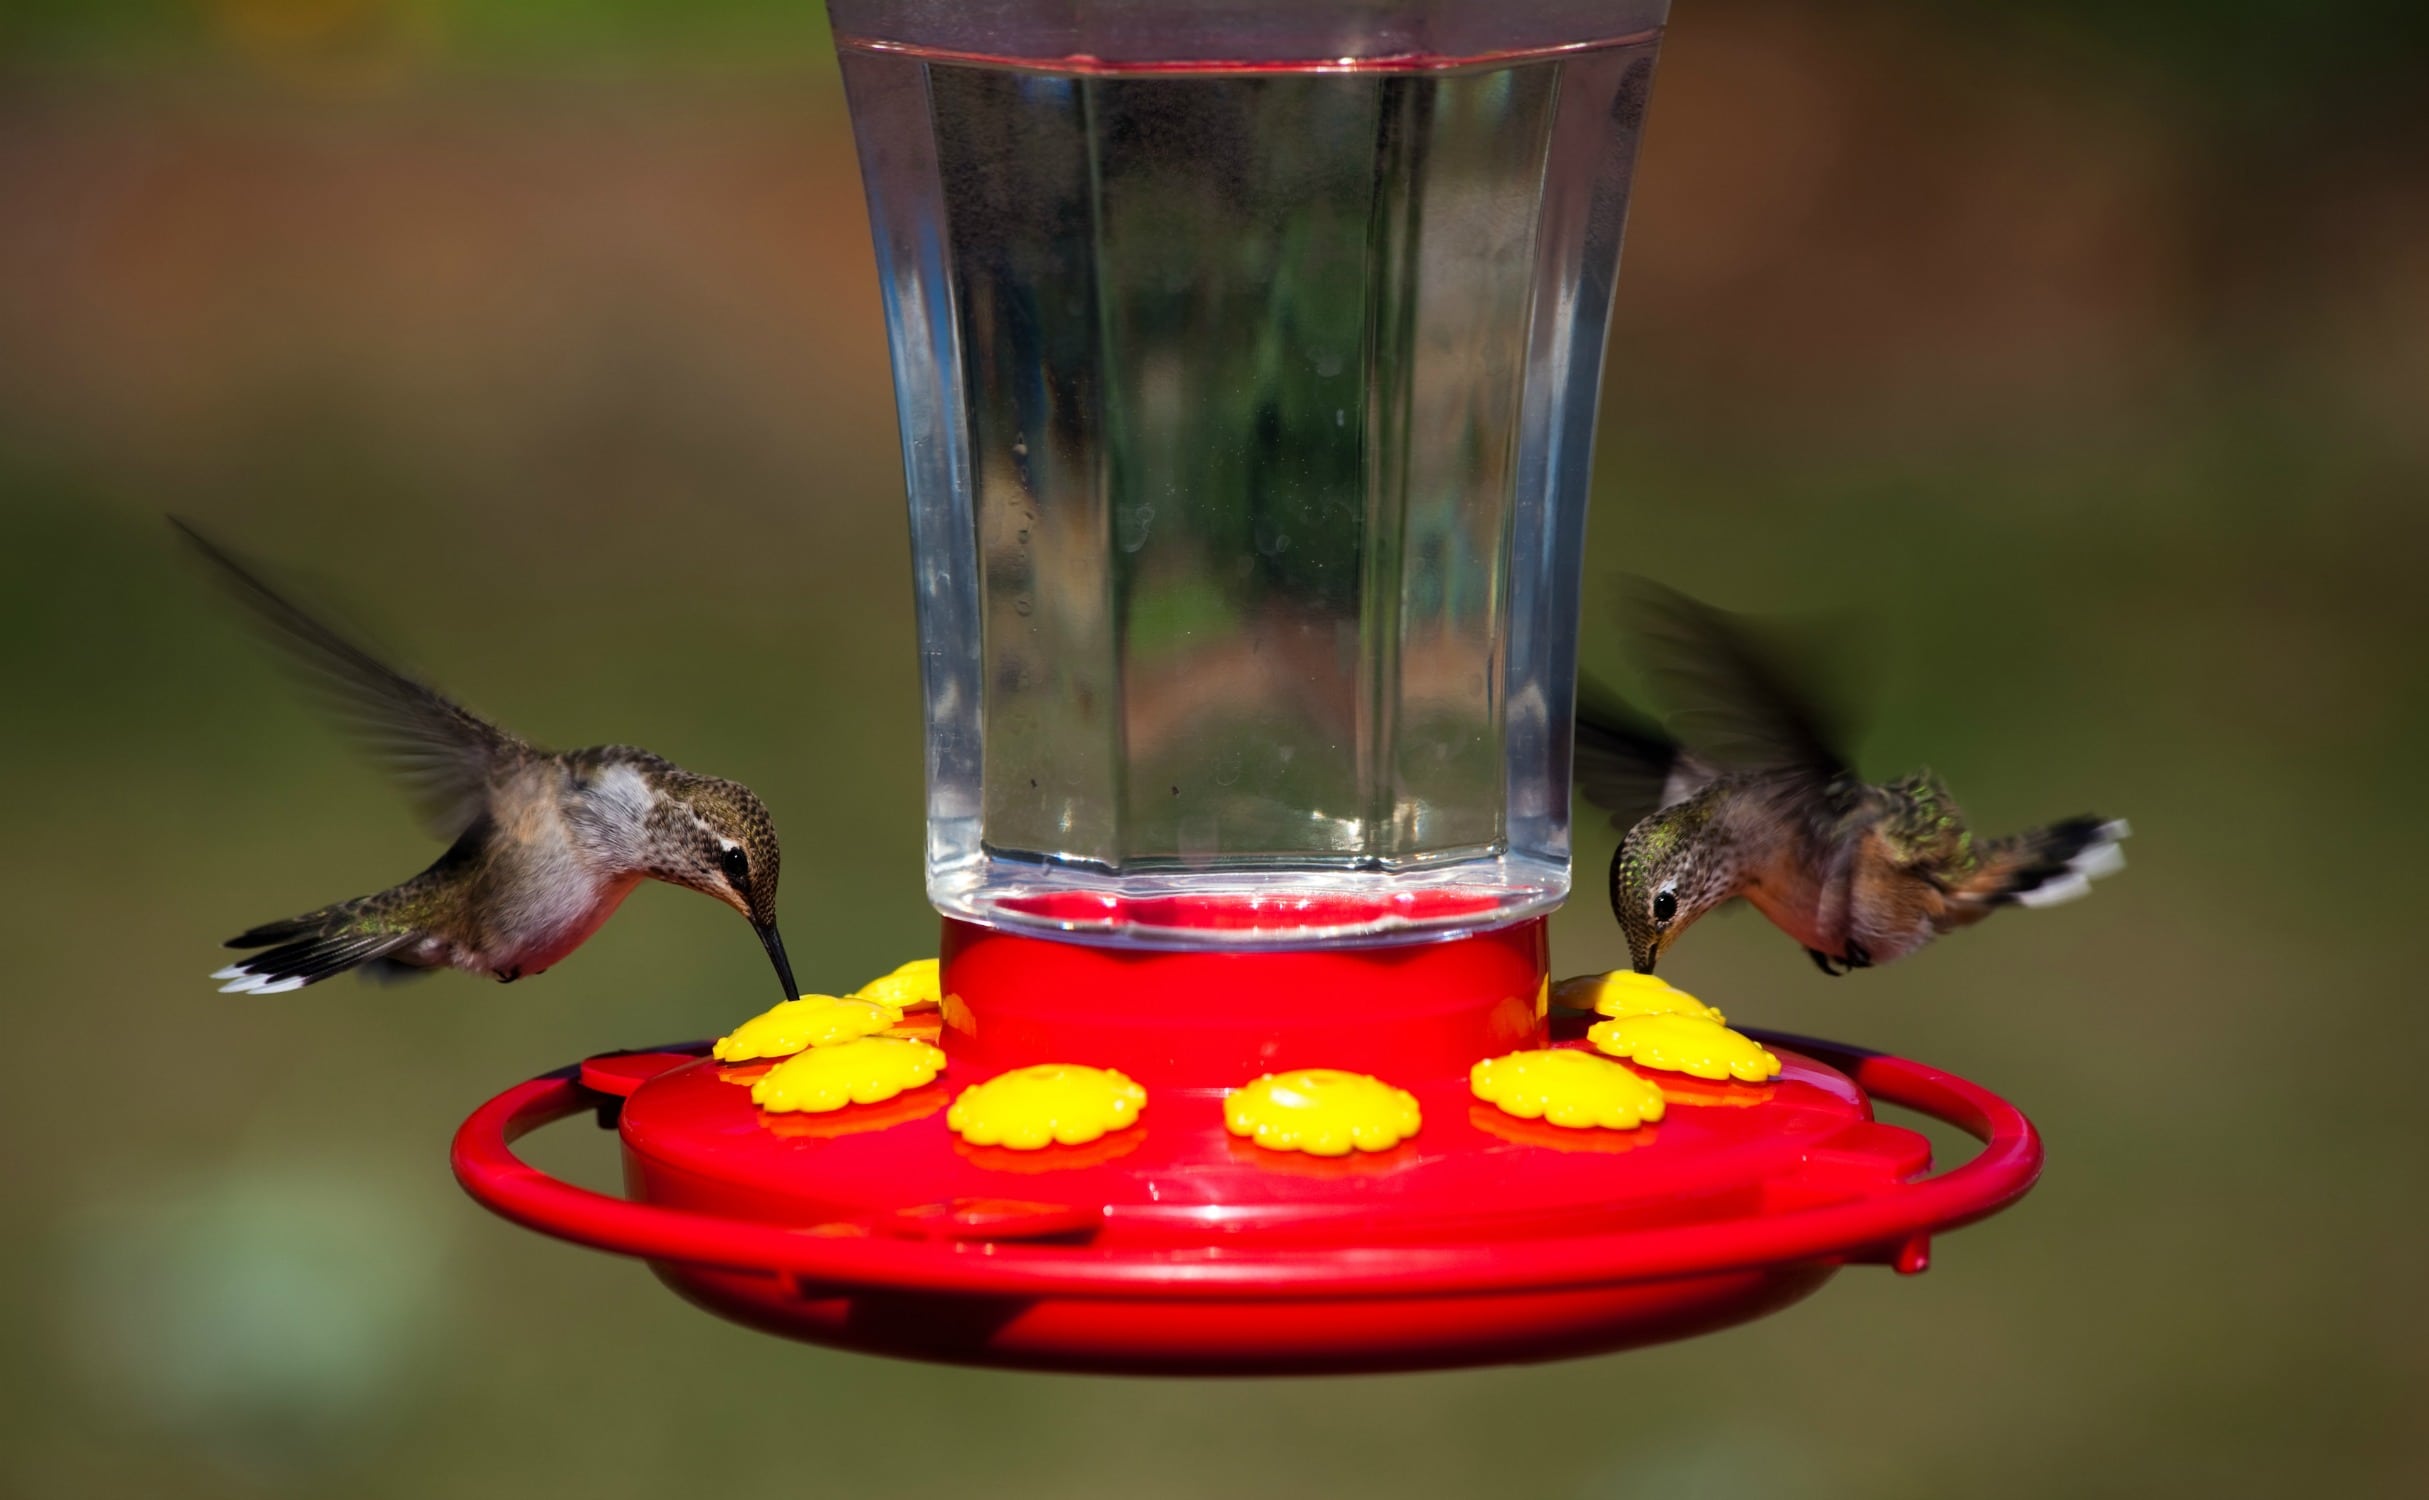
851,1255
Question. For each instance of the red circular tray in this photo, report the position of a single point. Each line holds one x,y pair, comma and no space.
1174,1247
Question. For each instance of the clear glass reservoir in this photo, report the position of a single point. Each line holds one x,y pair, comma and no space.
1246,357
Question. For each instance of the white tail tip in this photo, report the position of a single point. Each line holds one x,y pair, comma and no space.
2099,858
243,981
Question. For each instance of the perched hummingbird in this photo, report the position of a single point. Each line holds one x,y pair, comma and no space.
1752,798
546,844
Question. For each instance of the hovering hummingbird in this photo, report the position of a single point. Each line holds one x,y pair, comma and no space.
1753,798
545,844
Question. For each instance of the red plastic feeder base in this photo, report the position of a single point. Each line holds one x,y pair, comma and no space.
1176,1247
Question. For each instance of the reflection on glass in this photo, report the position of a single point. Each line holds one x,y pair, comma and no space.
1246,416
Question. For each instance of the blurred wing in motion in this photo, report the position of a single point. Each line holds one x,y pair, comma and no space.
444,755
1732,695
1626,765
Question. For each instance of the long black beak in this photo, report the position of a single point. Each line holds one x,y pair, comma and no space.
774,944
1642,963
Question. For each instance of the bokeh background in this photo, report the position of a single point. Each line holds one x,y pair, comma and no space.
2080,347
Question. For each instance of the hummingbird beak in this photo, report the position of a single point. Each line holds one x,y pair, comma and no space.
775,951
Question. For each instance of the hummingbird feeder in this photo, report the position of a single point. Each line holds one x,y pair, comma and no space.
1246,354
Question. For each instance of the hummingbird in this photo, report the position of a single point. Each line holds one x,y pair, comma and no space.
543,845
1748,794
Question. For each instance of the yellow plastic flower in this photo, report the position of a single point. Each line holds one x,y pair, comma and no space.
1625,993
1684,1044
798,1025
865,1070
1566,1087
1322,1111
1049,1104
915,984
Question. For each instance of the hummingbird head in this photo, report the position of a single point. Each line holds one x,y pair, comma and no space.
720,841
1667,873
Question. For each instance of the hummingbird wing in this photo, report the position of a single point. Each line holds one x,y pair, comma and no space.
1626,764
445,755
1732,694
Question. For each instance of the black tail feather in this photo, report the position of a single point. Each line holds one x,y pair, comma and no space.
306,961
2048,865
308,949
270,934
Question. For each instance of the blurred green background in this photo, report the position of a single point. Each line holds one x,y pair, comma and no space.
2080,347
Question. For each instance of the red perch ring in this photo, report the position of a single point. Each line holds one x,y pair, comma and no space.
1174,1247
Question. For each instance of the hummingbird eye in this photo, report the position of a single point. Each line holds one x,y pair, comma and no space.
735,863
1665,906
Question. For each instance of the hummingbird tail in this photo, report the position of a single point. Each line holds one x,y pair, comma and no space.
2048,865
306,950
